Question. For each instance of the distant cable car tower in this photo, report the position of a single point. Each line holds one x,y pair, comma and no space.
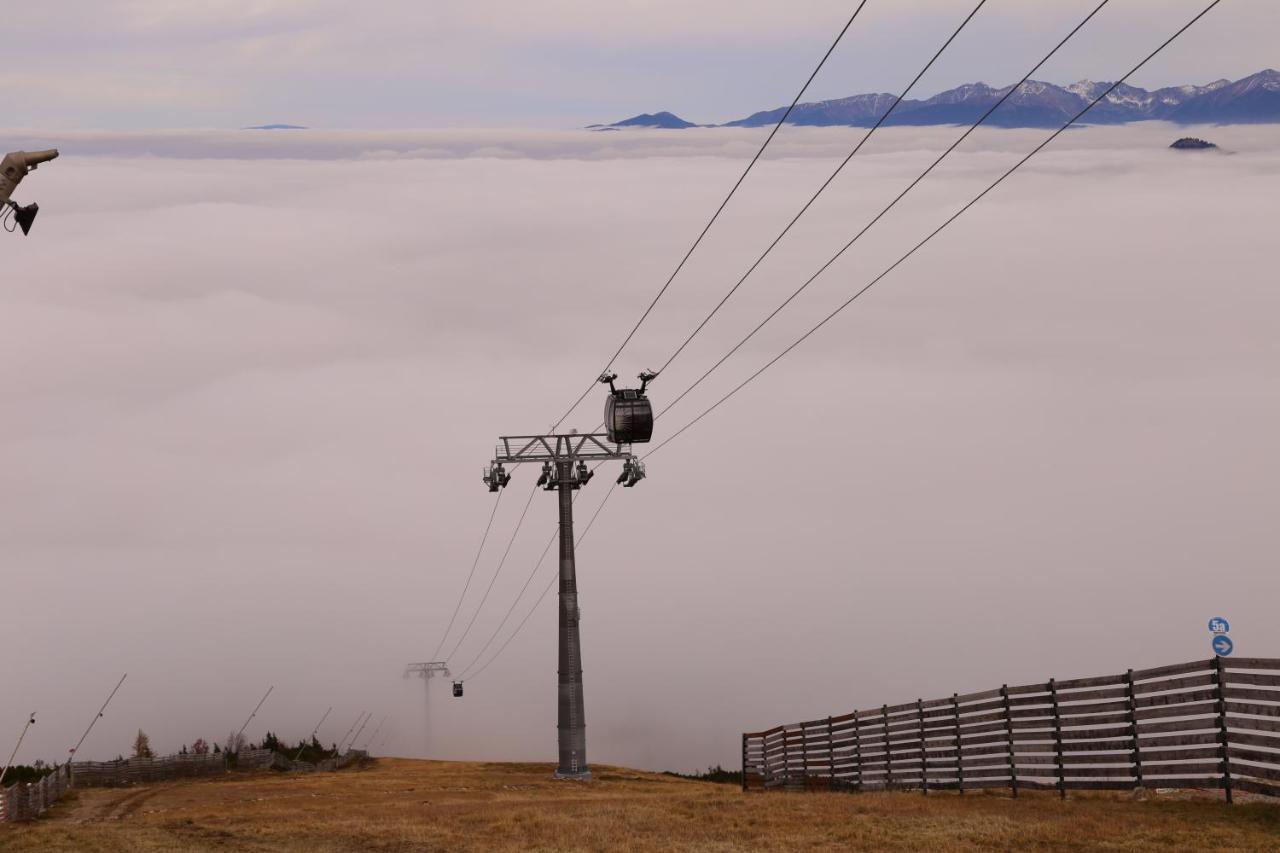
427,670
564,458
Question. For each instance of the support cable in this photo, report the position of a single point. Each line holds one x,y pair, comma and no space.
645,315
546,549
867,136
869,225
551,541
546,590
936,231
470,575
680,266
821,189
874,281
502,562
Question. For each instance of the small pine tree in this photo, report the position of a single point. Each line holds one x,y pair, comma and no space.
200,747
142,746
217,750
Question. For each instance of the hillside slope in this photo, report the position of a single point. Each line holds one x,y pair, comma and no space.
421,805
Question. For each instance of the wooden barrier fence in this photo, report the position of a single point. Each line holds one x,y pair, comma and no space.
29,801
1206,724
131,771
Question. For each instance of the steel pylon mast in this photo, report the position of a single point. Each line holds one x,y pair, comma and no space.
427,670
564,461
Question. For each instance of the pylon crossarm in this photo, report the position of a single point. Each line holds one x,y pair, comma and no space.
515,449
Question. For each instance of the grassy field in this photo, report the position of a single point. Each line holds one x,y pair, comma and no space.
407,805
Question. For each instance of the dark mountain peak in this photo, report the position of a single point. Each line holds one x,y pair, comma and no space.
1191,143
665,120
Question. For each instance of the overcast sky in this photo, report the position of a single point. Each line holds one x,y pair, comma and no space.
251,379
405,63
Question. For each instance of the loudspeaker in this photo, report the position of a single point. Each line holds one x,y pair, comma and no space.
24,216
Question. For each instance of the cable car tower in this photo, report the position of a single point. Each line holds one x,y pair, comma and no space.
427,670
564,458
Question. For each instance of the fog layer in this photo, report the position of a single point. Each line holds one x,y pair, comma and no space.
250,383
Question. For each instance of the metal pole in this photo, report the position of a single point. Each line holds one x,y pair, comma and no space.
376,729
95,719
359,730
571,718
359,717
31,720
426,715
254,714
313,732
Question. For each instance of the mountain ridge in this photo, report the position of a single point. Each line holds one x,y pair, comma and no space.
1251,100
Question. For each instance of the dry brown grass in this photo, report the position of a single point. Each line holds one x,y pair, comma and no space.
401,805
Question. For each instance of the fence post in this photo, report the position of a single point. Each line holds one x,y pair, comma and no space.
786,759
1008,727
831,756
857,751
1133,727
1222,725
1057,739
955,708
804,755
924,757
744,762
888,754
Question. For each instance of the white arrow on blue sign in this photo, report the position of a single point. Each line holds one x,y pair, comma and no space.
1222,645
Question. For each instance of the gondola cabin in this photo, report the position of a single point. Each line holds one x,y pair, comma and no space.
628,414
457,689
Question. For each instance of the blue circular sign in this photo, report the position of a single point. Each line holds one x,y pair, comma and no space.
1218,625
1222,645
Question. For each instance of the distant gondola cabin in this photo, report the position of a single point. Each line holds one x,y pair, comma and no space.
457,689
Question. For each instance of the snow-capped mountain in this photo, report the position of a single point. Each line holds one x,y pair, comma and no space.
1254,99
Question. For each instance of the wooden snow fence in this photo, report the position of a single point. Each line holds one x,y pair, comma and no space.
29,801
132,771
1206,724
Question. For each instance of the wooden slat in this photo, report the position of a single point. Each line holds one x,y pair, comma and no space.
1185,697
1260,679
1253,724
1165,768
1257,755
1069,711
1183,782
1261,694
1093,695
1178,740
1253,708
1097,785
1179,711
1172,669
1096,681
1251,663
1256,787
1024,689
1191,681
1247,739
1271,774
1191,724
1074,723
